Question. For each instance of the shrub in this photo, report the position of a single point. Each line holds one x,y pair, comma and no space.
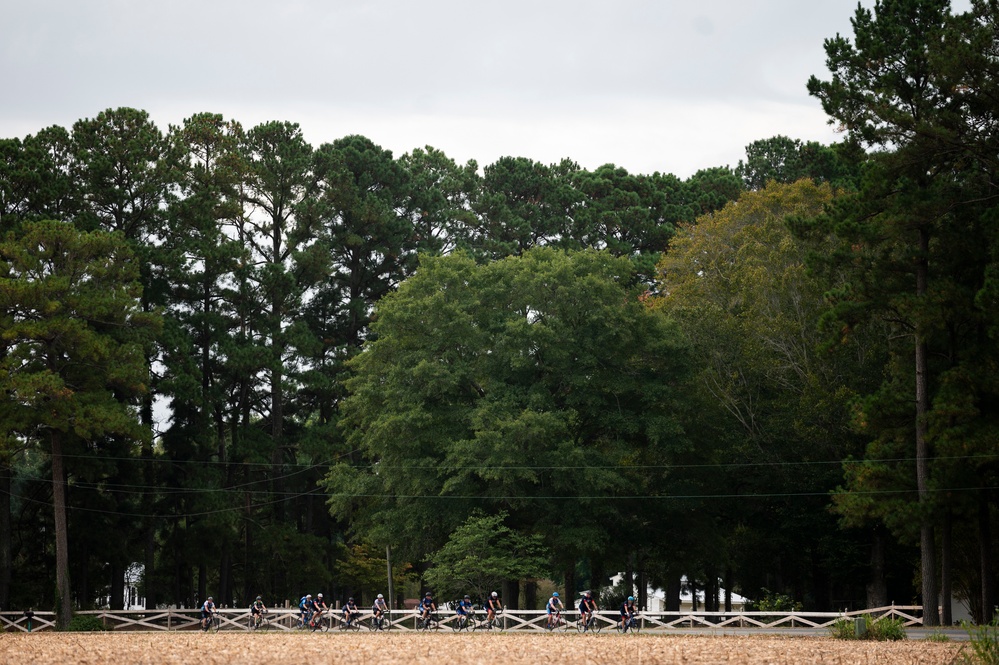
85,622
984,643
844,629
937,636
885,629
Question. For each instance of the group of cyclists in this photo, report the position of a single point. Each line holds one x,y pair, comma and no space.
464,608
315,609
587,608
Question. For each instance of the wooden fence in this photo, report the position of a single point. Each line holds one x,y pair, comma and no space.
287,619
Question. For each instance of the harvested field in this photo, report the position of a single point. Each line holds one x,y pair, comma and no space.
446,648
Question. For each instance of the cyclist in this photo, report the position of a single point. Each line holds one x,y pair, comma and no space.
628,613
554,608
493,605
350,611
257,611
587,606
378,610
464,610
427,605
319,608
305,607
207,612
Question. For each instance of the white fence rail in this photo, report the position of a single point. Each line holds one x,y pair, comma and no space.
287,619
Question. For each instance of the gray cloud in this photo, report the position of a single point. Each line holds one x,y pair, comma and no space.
588,80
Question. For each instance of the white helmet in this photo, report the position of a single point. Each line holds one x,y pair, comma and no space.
495,595
320,596
380,596
308,596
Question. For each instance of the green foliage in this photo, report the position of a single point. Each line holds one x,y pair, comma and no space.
984,642
360,568
844,629
481,554
85,623
772,601
883,629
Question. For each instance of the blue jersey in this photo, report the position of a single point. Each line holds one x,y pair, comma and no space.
464,607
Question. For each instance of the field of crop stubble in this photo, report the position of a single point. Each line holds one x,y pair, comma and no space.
447,649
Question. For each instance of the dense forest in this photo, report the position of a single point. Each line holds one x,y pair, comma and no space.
233,363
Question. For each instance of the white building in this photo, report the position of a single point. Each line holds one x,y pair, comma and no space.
657,597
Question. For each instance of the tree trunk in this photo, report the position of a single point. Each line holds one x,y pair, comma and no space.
202,583
64,609
927,541
946,599
511,594
986,555
531,595
117,600
877,588
643,588
729,579
6,553
569,578
673,594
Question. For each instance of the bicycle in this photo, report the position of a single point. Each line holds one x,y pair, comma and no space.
555,623
212,625
258,621
588,624
320,622
631,623
464,622
349,624
431,622
376,623
489,624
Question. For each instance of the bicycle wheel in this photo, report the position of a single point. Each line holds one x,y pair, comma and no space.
214,624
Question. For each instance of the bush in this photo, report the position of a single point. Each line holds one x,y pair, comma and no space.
884,629
85,623
984,643
844,629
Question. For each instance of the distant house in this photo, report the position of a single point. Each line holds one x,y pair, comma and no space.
656,601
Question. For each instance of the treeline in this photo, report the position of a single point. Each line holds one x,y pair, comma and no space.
251,365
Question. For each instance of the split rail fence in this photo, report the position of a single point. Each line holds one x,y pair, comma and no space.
287,619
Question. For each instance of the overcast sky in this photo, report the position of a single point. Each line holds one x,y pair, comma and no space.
670,86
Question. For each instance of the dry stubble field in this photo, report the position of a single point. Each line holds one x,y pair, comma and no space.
189,648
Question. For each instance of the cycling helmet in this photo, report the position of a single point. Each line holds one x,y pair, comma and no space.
467,597
319,596
495,595
259,598
631,598
587,594
308,596
210,598
429,595
555,595
380,596
350,600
